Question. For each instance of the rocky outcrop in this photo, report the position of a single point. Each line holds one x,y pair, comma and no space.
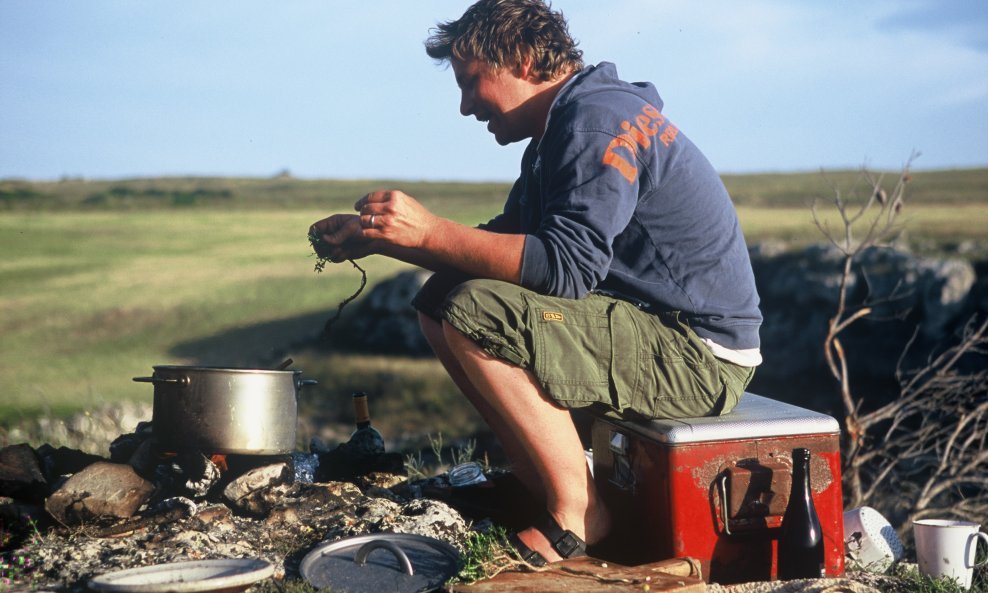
916,301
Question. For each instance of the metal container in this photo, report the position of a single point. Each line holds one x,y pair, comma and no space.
225,410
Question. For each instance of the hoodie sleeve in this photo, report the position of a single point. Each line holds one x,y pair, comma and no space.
585,204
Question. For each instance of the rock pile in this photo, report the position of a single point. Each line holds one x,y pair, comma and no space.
69,516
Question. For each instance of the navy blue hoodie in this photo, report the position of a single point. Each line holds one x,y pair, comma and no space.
615,199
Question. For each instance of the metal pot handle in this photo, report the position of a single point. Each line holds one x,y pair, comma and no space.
360,558
307,382
156,380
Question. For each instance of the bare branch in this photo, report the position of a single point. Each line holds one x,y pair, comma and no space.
930,443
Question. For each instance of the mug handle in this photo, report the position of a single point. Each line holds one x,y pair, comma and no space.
984,536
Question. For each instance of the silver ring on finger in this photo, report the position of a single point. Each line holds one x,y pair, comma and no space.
372,221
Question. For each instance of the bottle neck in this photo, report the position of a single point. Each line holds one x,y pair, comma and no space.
801,475
361,412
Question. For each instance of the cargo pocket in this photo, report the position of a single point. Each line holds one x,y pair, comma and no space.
680,376
572,354
626,360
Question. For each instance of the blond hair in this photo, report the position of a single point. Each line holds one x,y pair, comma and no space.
504,33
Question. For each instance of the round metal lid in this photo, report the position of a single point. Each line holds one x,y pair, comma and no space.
381,563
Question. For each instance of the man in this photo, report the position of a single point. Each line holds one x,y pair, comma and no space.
616,278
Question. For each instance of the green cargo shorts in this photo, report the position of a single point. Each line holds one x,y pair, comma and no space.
598,352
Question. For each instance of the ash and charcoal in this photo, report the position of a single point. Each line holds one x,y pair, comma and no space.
78,515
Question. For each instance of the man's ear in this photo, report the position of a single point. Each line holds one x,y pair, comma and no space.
525,70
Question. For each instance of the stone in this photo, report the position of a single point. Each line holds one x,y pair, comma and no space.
64,461
124,446
21,474
144,459
101,491
384,321
213,514
246,492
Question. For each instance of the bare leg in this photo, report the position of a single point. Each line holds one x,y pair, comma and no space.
521,465
543,433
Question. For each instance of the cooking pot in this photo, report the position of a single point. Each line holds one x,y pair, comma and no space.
225,410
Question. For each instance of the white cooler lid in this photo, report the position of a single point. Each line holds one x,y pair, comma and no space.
754,417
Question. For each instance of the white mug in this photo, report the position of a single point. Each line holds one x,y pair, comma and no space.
947,548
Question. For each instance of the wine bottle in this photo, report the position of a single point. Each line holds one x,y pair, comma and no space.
801,541
366,441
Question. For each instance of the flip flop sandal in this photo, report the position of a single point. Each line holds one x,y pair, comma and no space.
566,543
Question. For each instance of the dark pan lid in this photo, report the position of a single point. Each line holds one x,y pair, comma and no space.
381,563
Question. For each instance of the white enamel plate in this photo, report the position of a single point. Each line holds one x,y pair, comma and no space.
186,577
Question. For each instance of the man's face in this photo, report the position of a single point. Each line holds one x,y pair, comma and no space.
497,97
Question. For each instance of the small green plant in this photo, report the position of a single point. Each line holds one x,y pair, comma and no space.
464,453
15,568
418,468
315,240
415,466
487,554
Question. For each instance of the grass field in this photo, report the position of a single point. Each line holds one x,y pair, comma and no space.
99,281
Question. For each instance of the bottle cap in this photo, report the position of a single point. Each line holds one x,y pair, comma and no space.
361,412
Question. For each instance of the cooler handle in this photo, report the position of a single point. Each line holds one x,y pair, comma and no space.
722,487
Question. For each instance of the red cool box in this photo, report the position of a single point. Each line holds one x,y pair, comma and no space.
715,488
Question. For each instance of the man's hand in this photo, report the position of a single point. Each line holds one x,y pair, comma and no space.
394,224
395,218
339,238
387,218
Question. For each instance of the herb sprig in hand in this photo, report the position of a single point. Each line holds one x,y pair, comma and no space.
315,240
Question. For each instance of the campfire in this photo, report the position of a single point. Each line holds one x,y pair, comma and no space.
73,516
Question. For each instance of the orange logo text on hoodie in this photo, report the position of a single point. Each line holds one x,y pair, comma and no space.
622,152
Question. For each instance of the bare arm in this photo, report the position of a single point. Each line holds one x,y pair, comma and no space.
394,224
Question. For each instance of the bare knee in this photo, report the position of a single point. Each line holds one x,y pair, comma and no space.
430,327
434,334
454,338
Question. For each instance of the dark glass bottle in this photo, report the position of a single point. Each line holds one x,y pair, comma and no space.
801,540
366,441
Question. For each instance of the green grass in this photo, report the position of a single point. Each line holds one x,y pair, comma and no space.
923,223
89,300
912,581
935,188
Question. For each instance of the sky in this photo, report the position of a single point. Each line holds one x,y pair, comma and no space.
109,89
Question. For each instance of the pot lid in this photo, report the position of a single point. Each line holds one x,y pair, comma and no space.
186,577
381,563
